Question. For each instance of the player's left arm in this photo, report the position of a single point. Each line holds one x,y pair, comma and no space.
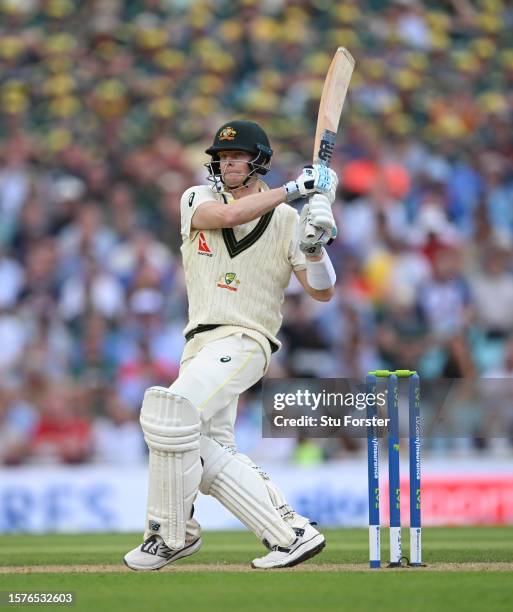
321,295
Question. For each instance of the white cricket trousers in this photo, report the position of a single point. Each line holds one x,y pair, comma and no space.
214,378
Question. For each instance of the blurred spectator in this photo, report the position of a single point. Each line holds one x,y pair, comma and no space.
504,371
307,452
402,334
117,435
95,352
14,184
445,299
93,289
445,303
141,260
13,339
88,235
40,290
61,434
146,327
136,375
11,280
493,292
305,343
17,422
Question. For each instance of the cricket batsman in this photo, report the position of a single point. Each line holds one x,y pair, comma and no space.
241,243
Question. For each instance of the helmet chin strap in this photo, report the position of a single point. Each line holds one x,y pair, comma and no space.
244,183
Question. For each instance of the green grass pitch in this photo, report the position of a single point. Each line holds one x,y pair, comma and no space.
468,569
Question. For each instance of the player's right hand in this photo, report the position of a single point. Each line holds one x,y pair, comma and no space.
313,237
319,213
313,179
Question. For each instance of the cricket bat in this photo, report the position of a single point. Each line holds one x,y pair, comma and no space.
330,108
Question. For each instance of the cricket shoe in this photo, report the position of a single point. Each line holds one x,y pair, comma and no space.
153,554
308,543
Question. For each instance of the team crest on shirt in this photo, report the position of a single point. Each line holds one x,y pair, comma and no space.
228,133
203,248
228,281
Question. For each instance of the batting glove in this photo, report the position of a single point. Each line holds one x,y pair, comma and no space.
313,179
319,212
322,223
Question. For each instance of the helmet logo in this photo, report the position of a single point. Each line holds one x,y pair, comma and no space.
228,133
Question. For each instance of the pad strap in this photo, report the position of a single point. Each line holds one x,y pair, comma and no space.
241,487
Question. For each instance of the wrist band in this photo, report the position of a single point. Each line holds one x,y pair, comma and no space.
320,274
292,191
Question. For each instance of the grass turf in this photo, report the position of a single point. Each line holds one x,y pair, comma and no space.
409,590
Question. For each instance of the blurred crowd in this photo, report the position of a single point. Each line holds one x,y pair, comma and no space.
105,110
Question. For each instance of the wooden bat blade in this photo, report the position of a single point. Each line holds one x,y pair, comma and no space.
330,107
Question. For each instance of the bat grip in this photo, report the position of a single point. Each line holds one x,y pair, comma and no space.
324,160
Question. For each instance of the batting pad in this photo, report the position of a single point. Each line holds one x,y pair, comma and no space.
171,427
241,487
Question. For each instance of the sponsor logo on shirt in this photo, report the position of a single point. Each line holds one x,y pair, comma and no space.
228,281
203,248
